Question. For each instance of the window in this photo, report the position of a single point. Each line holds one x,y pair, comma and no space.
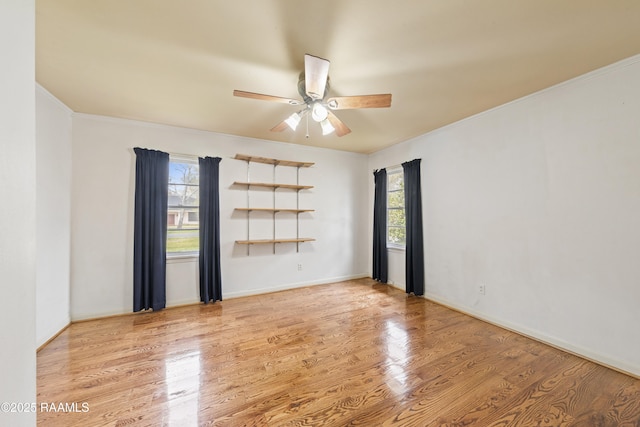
396,231
183,224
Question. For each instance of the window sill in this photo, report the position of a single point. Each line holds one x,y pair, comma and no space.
396,249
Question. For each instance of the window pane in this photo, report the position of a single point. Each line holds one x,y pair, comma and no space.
183,212
183,184
396,218
396,199
395,181
183,173
395,208
397,235
184,195
183,240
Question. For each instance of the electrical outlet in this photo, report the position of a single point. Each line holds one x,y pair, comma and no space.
481,289
299,267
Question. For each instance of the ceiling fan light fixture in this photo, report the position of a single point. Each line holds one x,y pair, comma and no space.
319,112
327,127
293,121
313,87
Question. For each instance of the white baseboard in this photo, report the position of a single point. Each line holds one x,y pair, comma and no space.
229,295
618,365
621,366
52,333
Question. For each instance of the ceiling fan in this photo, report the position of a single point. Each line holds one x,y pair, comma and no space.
313,87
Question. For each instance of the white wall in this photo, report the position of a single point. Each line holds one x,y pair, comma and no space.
17,216
102,215
539,200
53,215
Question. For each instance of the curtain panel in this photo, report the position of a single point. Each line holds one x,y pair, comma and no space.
414,264
150,229
210,273
380,262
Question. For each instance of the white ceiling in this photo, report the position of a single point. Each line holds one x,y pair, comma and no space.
178,62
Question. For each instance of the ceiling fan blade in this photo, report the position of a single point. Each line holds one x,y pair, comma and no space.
280,127
362,101
316,72
339,126
262,97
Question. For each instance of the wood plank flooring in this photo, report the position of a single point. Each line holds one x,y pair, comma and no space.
352,353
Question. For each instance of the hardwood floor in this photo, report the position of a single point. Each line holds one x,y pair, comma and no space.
349,353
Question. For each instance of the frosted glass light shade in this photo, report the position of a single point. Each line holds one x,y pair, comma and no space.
293,121
319,112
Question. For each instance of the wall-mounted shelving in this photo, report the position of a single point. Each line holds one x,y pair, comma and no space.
274,185
262,241
274,209
275,162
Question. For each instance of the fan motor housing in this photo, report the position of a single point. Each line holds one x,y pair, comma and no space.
302,89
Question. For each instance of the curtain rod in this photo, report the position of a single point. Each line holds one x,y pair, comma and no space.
187,156
398,166
391,167
183,155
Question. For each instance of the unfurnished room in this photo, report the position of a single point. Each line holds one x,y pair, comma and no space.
295,213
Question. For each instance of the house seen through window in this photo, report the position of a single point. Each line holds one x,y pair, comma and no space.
183,222
396,224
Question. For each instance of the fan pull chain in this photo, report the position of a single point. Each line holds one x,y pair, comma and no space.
307,135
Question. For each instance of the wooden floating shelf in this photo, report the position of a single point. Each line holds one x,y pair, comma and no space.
275,162
274,210
273,185
261,241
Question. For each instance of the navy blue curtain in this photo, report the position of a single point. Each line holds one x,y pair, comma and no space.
210,275
380,263
414,264
150,229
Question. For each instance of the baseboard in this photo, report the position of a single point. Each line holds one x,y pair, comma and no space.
228,295
288,286
617,365
620,366
43,345
397,285
96,316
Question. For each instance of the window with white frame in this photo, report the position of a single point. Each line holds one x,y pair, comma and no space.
396,223
183,223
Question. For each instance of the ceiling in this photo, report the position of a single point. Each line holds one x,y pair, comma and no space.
178,62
